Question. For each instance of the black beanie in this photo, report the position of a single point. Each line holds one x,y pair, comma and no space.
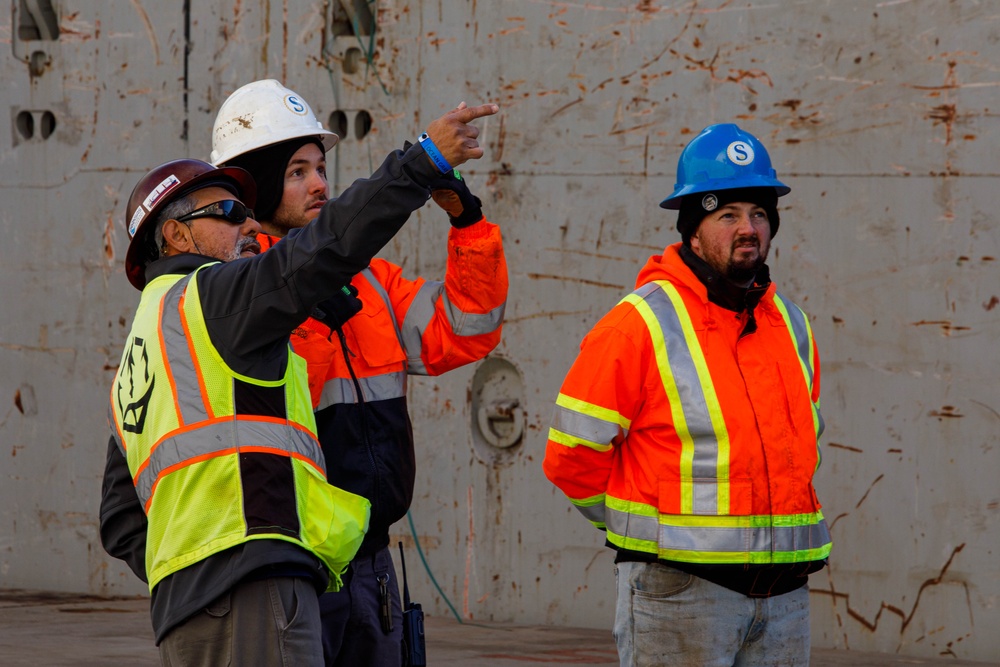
696,206
267,166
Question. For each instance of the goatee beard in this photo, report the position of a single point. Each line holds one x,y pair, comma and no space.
743,273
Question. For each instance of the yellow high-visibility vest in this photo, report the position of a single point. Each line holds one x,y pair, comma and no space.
218,458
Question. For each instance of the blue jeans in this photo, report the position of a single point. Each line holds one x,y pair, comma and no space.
352,629
668,617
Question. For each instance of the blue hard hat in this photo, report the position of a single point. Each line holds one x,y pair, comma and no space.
723,157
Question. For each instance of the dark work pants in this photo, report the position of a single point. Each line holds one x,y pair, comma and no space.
263,622
352,629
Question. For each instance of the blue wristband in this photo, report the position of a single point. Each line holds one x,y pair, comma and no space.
434,154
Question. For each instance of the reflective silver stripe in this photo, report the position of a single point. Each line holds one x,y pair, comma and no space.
339,391
750,539
419,315
803,344
705,460
221,437
414,365
369,275
179,360
800,334
472,324
586,427
645,528
375,388
415,323
593,513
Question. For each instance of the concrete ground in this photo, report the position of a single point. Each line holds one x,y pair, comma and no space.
56,630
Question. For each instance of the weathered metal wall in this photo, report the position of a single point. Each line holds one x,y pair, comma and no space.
880,115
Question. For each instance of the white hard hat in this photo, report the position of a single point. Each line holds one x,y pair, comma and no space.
260,114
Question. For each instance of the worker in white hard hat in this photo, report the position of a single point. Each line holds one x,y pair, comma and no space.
362,344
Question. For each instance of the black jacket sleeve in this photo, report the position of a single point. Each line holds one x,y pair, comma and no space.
252,305
123,522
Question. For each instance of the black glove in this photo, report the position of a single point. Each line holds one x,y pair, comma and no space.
451,193
342,306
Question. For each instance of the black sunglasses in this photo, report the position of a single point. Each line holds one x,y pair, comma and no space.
230,210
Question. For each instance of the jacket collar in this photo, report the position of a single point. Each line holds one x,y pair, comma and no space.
722,291
177,264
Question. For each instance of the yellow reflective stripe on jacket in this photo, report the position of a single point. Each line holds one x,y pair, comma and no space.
802,336
576,422
694,405
717,539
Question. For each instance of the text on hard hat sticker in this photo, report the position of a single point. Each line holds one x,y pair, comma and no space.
166,185
740,152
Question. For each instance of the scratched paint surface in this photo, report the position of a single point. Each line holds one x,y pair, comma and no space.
879,115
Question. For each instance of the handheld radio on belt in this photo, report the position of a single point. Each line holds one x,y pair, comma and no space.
414,649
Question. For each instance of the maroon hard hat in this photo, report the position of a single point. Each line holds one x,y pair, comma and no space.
165,184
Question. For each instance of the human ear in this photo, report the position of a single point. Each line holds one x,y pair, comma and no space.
177,238
695,243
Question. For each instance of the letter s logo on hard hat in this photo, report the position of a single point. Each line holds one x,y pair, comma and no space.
722,157
740,152
295,105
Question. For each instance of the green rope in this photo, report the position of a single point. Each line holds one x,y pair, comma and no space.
420,552
367,49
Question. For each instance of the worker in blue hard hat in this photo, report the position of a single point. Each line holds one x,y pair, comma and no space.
720,167
688,428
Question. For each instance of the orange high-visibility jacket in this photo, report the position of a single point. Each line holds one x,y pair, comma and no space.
357,375
685,440
414,327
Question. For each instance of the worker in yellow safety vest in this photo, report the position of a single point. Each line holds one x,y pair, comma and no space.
215,489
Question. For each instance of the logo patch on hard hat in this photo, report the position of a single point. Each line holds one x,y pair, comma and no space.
709,202
165,186
295,105
137,217
740,152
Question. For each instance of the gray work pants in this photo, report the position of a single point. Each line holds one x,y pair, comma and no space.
265,622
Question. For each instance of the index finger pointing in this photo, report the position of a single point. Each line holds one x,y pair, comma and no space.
469,114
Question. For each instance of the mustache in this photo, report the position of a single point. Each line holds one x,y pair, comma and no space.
244,243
